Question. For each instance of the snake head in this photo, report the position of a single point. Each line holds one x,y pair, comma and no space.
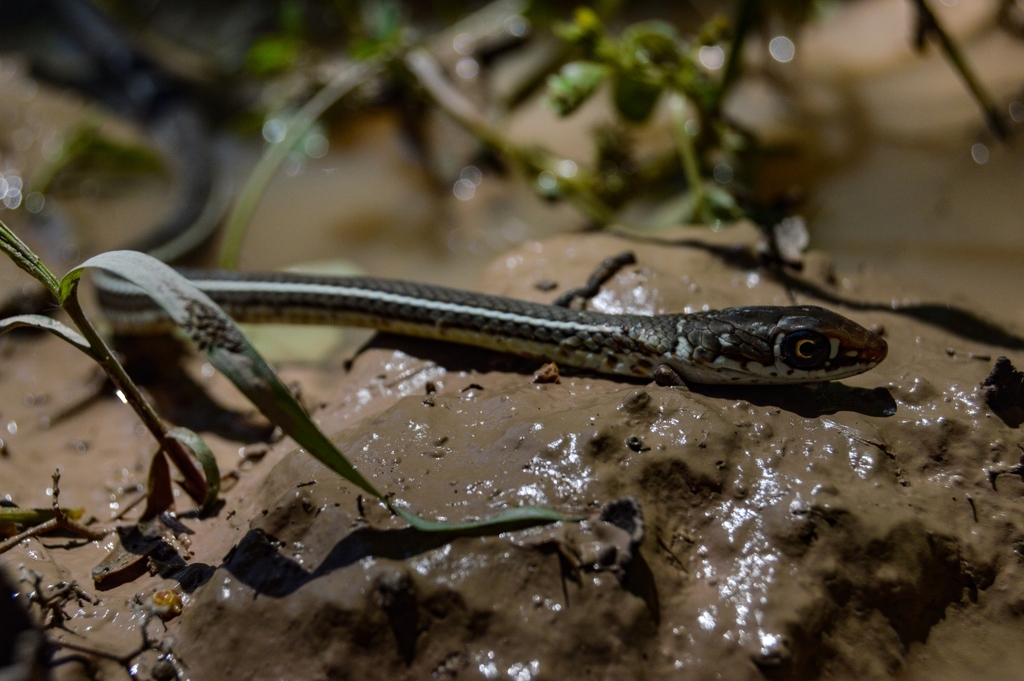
812,343
800,344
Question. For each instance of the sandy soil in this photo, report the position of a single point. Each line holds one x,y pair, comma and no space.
865,530
869,530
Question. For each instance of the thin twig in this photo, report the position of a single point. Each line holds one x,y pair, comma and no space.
64,592
66,523
59,521
746,15
451,100
607,269
125,659
33,531
54,602
929,25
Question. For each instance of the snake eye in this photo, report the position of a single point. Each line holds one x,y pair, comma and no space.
805,349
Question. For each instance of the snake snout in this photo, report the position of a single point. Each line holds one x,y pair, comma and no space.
874,349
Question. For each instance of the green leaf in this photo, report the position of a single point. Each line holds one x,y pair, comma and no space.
43,323
24,258
722,204
87,151
219,337
272,55
35,516
291,16
381,29
650,42
68,285
585,28
715,30
573,85
713,205
159,489
635,98
506,521
206,460
678,210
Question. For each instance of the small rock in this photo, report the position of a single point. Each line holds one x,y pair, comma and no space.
626,514
1004,392
546,285
636,401
163,670
547,374
636,444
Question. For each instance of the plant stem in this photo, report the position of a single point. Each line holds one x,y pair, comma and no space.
296,128
26,259
687,153
746,15
450,100
60,520
34,531
194,483
930,24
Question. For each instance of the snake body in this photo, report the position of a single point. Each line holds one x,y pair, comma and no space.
739,345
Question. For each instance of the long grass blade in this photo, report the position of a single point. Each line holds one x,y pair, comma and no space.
214,332
43,323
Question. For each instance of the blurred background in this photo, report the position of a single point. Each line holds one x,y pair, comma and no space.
419,140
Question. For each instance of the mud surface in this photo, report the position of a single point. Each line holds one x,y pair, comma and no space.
865,530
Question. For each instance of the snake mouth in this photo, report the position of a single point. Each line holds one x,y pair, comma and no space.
874,350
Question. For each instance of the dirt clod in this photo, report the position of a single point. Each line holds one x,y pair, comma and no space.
1004,392
745,534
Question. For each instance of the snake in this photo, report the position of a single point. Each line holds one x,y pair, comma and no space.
747,345
744,345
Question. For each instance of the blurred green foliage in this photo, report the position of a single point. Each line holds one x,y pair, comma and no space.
379,31
280,51
648,58
570,55
274,54
88,152
574,84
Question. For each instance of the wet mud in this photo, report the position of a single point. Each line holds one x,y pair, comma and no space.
865,530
